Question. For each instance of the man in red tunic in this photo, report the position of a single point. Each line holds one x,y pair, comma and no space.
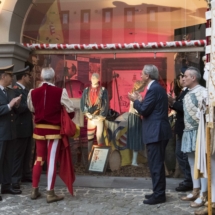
46,103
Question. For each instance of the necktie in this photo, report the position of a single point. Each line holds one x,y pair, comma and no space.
5,91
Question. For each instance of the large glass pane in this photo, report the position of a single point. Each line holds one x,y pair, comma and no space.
118,73
108,21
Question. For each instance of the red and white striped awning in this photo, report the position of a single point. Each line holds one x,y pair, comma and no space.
198,45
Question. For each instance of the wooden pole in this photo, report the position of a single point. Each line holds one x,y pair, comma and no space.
208,142
208,134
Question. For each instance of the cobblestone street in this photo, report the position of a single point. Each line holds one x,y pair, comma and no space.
93,201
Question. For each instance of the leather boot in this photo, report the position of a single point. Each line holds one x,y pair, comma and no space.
203,198
204,211
52,197
35,193
195,193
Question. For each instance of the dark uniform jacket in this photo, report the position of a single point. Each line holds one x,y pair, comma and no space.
24,124
178,107
7,116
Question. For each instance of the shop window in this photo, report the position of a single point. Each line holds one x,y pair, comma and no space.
107,24
65,25
152,15
107,16
85,26
129,25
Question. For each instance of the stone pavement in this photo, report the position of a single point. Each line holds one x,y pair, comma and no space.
96,201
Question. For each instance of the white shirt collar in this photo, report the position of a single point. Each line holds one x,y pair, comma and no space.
44,82
194,88
23,87
2,88
149,84
184,88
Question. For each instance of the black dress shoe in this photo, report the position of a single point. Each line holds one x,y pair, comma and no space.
16,186
0,198
154,201
183,188
181,184
10,191
184,183
148,196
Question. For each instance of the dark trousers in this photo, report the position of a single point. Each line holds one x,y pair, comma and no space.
6,161
183,163
156,156
21,161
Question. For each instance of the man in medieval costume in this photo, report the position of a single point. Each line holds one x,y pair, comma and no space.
193,113
47,103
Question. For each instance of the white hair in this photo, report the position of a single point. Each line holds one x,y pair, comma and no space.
195,72
47,74
152,71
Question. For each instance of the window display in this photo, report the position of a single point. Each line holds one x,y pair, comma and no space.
109,26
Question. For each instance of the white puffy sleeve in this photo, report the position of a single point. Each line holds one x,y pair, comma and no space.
66,101
29,102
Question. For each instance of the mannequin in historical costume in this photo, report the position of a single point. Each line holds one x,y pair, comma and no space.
191,104
134,138
95,104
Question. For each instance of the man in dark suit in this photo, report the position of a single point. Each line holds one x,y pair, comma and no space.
9,104
177,105
156,130
24,127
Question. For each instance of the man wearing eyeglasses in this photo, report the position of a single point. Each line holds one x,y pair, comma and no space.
24,127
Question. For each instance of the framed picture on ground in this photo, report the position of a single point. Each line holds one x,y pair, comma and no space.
98,159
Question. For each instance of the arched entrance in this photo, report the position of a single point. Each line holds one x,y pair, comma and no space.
12,18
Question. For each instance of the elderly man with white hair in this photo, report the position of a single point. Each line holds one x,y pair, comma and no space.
46,103
156,130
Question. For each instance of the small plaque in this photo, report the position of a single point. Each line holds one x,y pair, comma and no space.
98,159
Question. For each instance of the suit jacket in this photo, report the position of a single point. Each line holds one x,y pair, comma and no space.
24,124
178,107
154,110
7,116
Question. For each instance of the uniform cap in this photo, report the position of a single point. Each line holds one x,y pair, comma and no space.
23,71
7,69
